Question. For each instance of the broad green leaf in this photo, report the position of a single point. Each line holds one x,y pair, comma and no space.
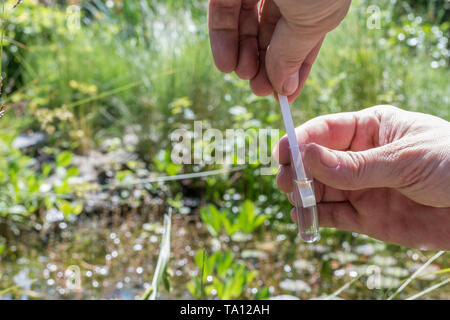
224,262
63,159
262,294
72,172
65,207
231,225
260,220
46,168
207,265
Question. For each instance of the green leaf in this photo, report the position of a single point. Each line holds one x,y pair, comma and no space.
176,202
159,164
223,292
246,215
121,175
212,218
165,279
64,188
248,220
260,220
46,168
32,184
194,287
198,258
224,262
263,294
173,169
63,159
72,172
65,207
206,263
230,224
238,280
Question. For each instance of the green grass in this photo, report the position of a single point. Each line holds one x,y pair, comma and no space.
163,260
359,74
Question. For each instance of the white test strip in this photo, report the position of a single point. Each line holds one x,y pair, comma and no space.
305,189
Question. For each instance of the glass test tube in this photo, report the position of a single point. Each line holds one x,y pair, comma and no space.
307,219
303,194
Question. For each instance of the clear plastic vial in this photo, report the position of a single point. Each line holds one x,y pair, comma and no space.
303,194
307,219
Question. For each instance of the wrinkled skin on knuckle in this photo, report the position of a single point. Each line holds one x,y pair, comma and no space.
391,164
356,164
441,169
420,147
392,123
427,172
413,169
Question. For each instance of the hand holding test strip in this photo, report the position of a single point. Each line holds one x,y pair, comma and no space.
303,193
356,170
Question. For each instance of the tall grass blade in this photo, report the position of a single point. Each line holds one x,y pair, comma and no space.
447,270
438,285
343,288
202,285
416,274
163,259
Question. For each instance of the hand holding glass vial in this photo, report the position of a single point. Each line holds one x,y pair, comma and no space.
303,193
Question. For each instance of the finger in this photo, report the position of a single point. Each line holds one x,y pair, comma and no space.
296,35
324,193
224,33
291,199
304,73
260,84
342,131
348,170
285,179
270,14
248,61
339,215
333,131
287,51
305,70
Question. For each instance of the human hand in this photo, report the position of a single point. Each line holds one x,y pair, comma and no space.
382,171
275,53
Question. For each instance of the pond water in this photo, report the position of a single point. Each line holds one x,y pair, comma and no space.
113,256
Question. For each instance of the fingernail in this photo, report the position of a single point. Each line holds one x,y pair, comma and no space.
329,159
290,84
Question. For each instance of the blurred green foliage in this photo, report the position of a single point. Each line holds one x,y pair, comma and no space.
27,187
219,274
246,220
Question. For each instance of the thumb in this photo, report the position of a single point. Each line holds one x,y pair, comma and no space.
297,39
348,170
287,52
